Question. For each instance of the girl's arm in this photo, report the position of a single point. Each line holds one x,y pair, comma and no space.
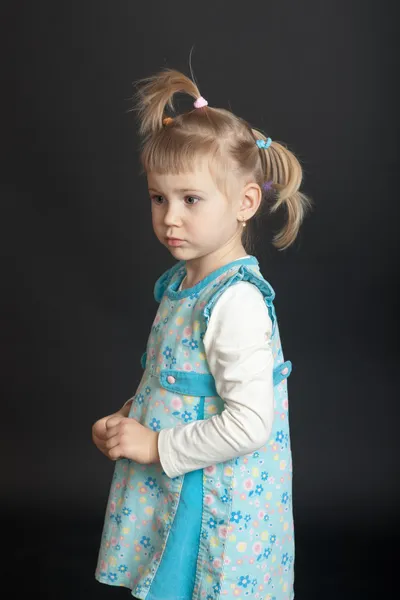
239,355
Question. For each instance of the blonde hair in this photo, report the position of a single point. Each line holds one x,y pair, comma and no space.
173,145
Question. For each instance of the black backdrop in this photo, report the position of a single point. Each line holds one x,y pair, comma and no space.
81,262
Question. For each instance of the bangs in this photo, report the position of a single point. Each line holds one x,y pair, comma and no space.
172,152
177,153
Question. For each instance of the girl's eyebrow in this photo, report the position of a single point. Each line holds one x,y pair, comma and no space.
182,190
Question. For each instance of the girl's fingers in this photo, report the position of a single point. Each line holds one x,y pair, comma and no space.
113,421
99,443
111,432
99,429
96,439
112,442
101,435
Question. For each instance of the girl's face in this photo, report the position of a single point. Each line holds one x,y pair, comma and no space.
192,209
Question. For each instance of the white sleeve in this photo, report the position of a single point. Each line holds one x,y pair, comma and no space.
240,358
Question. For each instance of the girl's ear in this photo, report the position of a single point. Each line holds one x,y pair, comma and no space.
251,199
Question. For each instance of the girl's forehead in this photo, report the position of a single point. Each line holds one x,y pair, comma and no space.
200,178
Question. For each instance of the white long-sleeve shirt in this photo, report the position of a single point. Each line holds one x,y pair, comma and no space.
239,355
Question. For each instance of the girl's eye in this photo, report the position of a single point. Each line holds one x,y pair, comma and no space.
192,198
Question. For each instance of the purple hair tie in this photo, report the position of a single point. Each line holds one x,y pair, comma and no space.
267,185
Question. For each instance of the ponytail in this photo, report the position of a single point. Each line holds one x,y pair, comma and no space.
155,93
283,169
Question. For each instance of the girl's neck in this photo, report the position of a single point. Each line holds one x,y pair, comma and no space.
198,269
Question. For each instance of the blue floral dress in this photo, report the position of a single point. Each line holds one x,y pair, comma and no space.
221,533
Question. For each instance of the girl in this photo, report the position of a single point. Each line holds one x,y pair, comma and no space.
200,505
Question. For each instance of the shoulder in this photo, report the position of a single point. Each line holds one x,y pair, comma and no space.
240,313
239,292
241,298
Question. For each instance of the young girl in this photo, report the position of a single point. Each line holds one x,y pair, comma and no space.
200,506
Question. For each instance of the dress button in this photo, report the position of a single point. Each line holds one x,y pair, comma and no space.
171,379
285,370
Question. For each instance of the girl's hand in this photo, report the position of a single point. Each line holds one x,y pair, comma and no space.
127,438
99,436
118,436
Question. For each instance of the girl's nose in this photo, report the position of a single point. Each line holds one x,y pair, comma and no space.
171,218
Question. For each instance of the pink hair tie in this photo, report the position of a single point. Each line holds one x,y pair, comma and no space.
200,102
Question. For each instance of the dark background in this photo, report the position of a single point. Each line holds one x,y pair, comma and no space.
81,261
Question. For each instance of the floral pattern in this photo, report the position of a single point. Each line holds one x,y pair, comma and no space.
246,544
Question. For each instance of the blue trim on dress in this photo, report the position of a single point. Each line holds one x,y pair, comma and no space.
282,372
179,560
173,292
163,281
188,383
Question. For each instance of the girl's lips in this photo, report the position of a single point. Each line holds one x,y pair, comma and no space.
174,242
